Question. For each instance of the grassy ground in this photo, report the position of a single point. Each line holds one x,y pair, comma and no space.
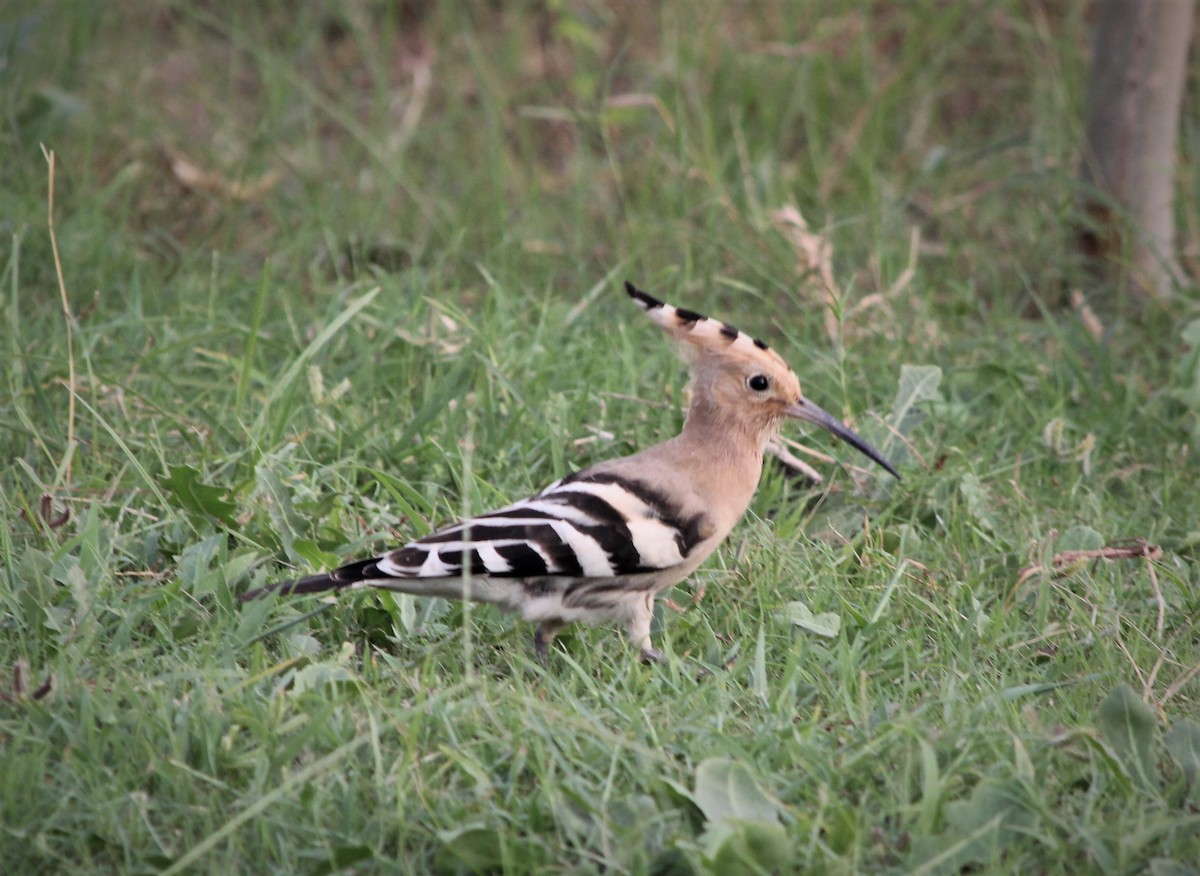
336,276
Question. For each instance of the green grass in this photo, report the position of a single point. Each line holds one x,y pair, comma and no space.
338,277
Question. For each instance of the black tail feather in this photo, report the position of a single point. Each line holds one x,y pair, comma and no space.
343,576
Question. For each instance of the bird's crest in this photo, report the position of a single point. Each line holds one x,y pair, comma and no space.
703,337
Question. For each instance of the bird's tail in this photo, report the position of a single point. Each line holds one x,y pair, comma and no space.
366,573
338,579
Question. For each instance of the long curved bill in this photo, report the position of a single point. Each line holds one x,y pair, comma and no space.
806,410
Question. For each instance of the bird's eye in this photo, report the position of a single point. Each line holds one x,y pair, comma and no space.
758,382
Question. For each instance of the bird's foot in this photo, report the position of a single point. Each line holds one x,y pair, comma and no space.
542,637
653,655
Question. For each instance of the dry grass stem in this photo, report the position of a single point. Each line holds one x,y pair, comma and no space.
68,319
1064,562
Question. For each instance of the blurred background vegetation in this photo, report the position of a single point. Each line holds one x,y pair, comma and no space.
335,272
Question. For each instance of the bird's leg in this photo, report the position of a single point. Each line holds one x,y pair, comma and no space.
639,631
543,636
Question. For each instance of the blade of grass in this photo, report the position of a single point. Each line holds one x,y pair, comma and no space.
297,365
260,301
68,321
310,772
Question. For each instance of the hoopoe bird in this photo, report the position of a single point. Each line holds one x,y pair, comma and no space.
602,543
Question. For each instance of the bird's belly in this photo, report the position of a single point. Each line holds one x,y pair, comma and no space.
552,606
590,600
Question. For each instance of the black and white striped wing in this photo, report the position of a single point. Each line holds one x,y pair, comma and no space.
588,525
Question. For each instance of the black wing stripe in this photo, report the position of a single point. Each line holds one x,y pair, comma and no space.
405,562
610,529
455,558
352,573
623,555
518,510
562,556
595,507
481,530
524,560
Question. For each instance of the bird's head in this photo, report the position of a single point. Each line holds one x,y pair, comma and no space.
734,372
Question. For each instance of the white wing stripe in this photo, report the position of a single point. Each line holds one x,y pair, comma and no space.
656,542
433,567
618,498
559,510
592,558
492,561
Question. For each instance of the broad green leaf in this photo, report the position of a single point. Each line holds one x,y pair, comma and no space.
342,859
83,591
918,383
988,800
1128,726
824,624
672,862
952,851
326,673
1079,538
196,565
303,645
1169,867
733,848
1191,337
240,564
312,554
979,503
727,789
978,829
474,848
1183,744
1188,392
190,493
743,832
273,490
320,675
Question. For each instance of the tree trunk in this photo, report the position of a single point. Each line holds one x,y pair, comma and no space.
1135,91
